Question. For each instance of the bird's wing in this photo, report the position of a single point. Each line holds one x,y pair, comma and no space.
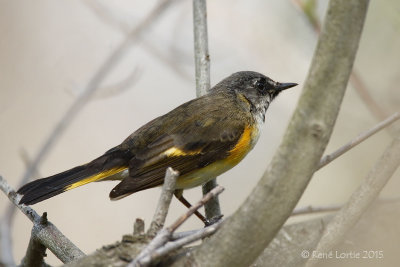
189,146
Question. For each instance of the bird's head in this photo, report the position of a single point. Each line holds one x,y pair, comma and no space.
256,88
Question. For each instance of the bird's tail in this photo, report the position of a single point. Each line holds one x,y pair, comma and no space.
111,163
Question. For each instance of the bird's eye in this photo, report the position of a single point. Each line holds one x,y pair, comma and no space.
259,84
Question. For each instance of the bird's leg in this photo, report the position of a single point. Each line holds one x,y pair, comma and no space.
179,195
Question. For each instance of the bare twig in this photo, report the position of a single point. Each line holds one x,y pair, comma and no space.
27,161
311,209
361,199
179,235
201,55
47,234
363,136
162,237
216,191
165,234
202,70
119,87
172,246
6,252
138,227
36,251
104,14
167,192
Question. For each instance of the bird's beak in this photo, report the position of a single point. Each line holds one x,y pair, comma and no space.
284,86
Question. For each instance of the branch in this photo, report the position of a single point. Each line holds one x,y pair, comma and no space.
45,232
202,70
173,246
271,202
167,192
361,199
138,227
210,195
36,251
165,234
201,55
360,138
35,254
311,209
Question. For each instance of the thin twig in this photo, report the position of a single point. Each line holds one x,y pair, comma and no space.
311,209
47,233
120,86
172,246
202,70
361,137
27,161
216,191
165,234
167,192
138,227
105,15
162,237
360,200
179,235
201,55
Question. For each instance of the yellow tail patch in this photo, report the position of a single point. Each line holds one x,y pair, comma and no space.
96,177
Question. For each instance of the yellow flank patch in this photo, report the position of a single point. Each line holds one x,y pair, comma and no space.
242,147
95,177
174,151
236,154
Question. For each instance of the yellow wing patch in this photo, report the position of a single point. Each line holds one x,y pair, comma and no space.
96,177
174,151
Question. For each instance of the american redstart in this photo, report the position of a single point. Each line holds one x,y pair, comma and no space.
201,139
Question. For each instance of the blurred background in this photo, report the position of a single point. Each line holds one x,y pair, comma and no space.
49,50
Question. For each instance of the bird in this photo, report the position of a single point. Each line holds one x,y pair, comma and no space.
201,139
